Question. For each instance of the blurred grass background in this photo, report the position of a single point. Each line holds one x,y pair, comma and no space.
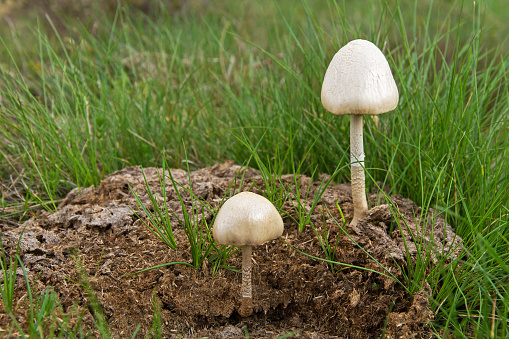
90,87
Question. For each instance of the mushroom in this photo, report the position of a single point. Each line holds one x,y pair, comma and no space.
247,219
359,82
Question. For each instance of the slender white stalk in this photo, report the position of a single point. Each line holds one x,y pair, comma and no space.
246,308
360,205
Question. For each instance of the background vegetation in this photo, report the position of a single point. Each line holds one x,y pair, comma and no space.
89,90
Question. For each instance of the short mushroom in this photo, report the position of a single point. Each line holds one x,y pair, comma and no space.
359,82
247,219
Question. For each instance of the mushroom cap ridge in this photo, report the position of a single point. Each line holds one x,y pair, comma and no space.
359,81
247,219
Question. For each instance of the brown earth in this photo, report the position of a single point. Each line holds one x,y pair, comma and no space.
291,291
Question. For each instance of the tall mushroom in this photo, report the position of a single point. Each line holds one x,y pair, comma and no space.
359,82
247,219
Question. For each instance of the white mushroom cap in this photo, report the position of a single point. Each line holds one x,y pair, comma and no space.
359,81
247,219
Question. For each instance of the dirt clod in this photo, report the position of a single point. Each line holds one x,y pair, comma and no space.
360,296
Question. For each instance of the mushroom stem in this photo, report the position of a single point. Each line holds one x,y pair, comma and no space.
360,205
246,307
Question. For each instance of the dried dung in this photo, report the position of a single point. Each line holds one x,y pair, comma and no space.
291,291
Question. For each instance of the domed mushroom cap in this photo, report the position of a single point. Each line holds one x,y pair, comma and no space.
247,219
359,81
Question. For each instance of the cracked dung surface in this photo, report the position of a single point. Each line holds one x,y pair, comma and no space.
291,291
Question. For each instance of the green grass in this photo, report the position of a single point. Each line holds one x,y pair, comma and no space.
45,317
234,77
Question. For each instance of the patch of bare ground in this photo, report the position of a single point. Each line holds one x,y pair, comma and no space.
291,291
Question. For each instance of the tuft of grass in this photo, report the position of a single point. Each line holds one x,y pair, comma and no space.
196,227
157,322
100,320
9,267
329,248
159,222
42,320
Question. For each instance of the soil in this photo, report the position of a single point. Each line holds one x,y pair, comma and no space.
292,292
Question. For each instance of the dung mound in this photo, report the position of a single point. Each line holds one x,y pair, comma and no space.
362,297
